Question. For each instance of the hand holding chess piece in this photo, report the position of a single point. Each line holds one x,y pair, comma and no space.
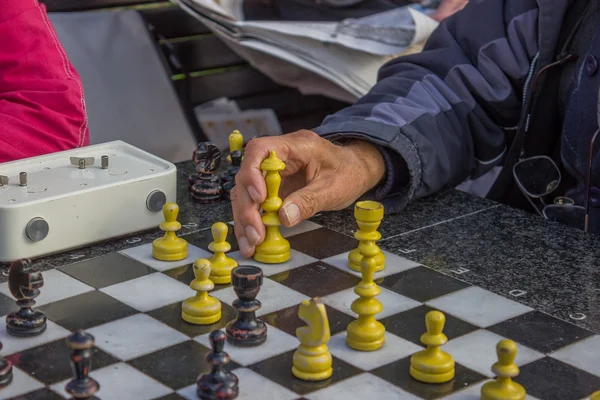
25,287
319,176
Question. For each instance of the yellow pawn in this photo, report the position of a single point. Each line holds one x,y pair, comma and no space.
433,365
170,247
312,360
595,396
503,387
369,215
366,333
236,142
221,265
201,309
275,248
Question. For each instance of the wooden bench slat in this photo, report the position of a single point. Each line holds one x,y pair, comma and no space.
206,52
81,5
231,84
173,22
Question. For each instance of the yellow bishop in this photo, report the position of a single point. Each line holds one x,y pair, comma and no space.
275,248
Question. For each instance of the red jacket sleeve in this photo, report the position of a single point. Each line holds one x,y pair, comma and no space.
42,106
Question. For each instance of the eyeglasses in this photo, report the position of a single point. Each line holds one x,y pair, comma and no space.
538,177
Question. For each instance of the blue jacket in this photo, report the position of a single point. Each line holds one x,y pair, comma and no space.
451,112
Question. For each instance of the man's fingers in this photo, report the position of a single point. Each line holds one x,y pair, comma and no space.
248,227
304,203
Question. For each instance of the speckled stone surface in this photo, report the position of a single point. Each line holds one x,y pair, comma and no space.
429,211
507,251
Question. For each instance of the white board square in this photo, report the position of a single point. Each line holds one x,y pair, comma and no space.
143,254
277,342
477,351
11,344
478,306
582,355
297,259
134,336
22,384
149,292
393,264
363,386
393,303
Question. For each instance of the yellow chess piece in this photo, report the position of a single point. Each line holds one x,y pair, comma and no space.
170,247
236,142
595,396
221,265
368,215
366,333
275,248
201,309
433,365
312,360
503,387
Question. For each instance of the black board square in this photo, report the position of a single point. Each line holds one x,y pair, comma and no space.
287,320
550,379
322,243
7,305
51,362
410,325
86,310
176,366
41,394
107,270
279,370
421,284
398,374
171,315
316,280
540,331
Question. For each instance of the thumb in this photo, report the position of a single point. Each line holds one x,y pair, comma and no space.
302,204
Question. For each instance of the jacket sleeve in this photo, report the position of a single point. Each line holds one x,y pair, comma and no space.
42,107
440,116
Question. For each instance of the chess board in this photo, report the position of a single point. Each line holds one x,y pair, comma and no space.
131,304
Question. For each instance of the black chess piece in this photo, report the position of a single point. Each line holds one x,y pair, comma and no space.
226,392
206,185
25,287
82,386
208,384
246,330
6,371
229,176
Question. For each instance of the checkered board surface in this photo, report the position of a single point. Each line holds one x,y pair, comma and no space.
131,303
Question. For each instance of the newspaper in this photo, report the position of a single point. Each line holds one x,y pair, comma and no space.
336,59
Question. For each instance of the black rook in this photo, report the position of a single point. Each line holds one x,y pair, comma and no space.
246,330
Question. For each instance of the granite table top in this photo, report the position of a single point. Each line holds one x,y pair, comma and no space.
544,265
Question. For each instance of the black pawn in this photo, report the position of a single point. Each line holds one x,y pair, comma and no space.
206,186
208,384
82,386
229,177
6,371
246,330
25,287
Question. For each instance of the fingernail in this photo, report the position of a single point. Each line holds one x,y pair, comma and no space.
254,194
252,235
243,245
292,213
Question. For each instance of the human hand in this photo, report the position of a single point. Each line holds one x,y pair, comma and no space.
319,176
448,8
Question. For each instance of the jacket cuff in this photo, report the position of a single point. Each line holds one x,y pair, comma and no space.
403,167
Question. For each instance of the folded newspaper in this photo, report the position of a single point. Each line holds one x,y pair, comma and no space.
336,59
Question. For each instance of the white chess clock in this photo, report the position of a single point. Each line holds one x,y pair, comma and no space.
74,198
